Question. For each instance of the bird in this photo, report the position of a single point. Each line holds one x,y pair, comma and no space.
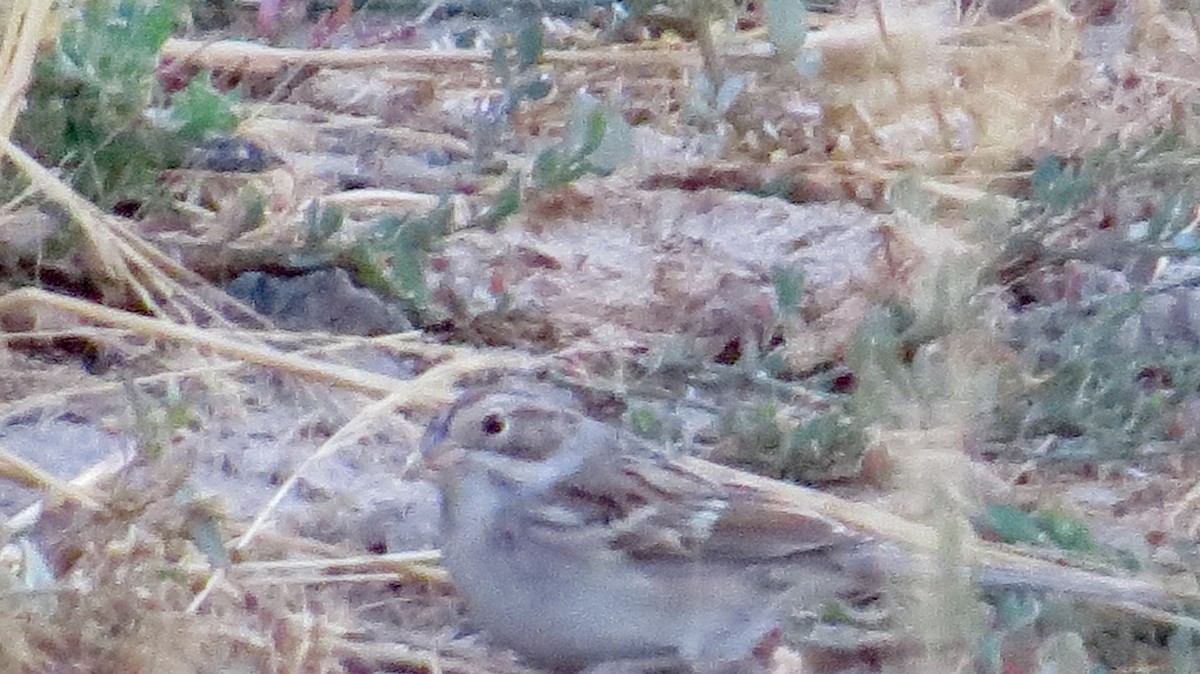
575,543
580,546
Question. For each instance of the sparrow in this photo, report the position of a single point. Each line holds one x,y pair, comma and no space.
575,543
580,546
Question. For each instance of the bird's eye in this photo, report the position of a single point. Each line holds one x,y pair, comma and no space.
493,424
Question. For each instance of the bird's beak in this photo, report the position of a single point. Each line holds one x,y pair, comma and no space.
440,461
437,457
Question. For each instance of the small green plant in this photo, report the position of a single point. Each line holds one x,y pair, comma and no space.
1112,367
515,59
696,18
400,248
1060,185
321,222
1102,382
596,141
514,62
815,449
157,425
1063,191
198,111
876,357
646,423
90,97
507,202
1043,528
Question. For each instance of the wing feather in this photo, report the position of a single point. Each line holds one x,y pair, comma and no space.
650,508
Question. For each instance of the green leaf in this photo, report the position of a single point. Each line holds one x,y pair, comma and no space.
1065,532
820,443
408,272
728,94
202,111
617,146
508,201
500,64
159,22
321,223
834,613
787,25
36,574
645,423
1046,527
1059,185
593,135
546,169
204,529
406,242
789,290
529,45
535,89
596,141
599,135
580,124
1012,525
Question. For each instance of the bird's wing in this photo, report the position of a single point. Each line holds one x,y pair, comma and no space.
641,503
